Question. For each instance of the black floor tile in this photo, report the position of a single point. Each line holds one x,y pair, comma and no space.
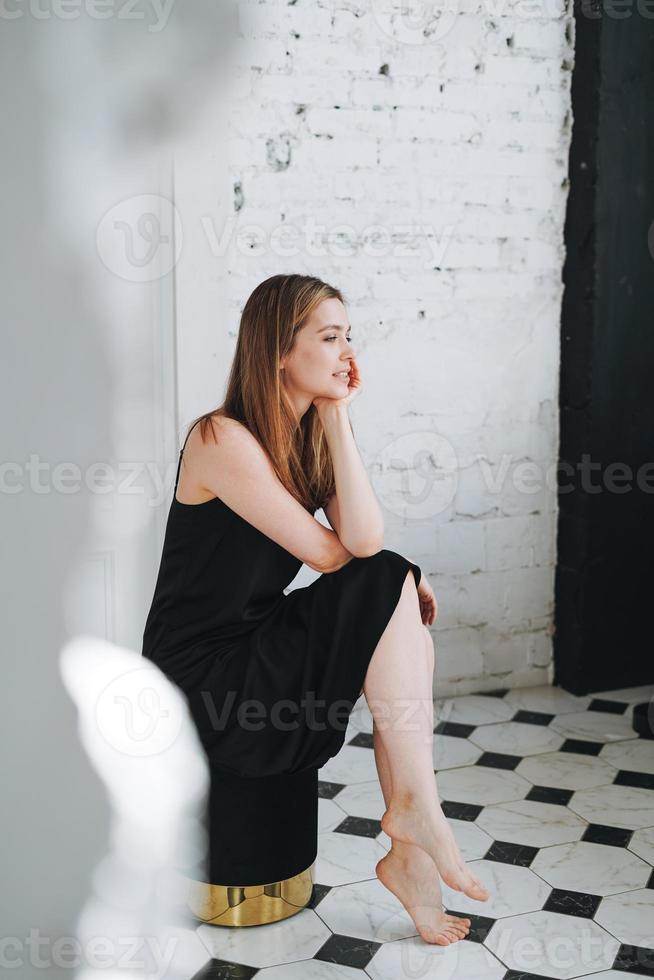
519,975
317,895
582,746
359,827
580,904
327,791
598,833
650,883
533,717
480,925
224,970
549,794
347,951
498,760
508,853
635,959
613,707
643,780
454,728
499,692
362,740
460,811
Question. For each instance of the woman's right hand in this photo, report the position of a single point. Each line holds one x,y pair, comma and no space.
427,601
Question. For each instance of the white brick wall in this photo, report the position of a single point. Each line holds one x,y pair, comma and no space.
446,162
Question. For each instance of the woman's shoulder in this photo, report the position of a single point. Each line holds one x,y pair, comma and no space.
218,425
224,436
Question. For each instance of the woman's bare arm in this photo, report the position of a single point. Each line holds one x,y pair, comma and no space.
240,472
360,520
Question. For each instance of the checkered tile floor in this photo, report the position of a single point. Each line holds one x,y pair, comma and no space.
551,799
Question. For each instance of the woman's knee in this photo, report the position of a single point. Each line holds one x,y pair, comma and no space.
409,592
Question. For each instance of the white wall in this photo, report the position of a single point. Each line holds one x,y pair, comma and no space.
420,165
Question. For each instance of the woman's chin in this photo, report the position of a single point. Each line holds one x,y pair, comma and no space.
336,390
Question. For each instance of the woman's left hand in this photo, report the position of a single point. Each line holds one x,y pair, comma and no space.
354,386
427,600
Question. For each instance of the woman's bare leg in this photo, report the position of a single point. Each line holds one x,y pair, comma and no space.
398,689
410,874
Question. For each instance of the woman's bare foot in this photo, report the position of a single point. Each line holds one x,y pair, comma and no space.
414,881
406,823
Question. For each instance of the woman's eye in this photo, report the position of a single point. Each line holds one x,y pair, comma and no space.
336,338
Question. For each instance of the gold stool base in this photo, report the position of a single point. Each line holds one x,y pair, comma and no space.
249,905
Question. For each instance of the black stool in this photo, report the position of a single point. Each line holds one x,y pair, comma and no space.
262,843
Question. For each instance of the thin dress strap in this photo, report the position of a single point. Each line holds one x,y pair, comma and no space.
179,461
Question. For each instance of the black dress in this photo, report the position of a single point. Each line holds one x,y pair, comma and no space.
270,678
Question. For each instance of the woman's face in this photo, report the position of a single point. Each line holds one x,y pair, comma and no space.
321,351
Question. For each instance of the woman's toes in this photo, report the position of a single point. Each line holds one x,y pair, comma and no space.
480,889
456,920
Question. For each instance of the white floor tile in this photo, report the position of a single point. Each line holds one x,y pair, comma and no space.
618,806
629,917
635,755
473,841
363,800
549,700
450,752
512,890
473,709
411,958
310,970
516,738
351,765
632,695
642,844
329,815
297,938
531,823
566,770
481,785
367,910
552,944
596,869
594,726
343,858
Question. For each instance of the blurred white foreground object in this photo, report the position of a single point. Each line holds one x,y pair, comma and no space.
137,731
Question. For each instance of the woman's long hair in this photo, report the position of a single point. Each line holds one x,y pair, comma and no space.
255,396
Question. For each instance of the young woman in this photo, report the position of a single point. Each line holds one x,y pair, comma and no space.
240,526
